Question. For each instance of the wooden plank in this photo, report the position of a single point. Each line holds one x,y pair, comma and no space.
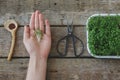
54,17
21,10
64,69
57,33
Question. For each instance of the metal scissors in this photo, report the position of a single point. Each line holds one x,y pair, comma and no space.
66,38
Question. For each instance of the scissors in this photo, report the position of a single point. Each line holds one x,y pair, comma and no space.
66,38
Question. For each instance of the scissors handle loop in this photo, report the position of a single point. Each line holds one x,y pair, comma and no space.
66,39
66,46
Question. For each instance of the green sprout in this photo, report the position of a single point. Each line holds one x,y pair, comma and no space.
39,34
104,35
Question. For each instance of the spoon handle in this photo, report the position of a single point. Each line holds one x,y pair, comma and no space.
12,46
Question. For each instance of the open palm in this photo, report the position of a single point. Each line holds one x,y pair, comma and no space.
33,45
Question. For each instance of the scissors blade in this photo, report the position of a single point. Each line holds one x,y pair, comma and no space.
69,24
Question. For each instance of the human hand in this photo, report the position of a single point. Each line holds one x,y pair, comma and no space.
35,47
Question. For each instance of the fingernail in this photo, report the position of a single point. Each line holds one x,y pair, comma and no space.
37,11
27,25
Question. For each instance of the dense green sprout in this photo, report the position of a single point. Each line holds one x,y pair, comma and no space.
104,35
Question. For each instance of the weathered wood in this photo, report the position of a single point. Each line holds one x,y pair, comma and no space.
53,9
64,69
57,33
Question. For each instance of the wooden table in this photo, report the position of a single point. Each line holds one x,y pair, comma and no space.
69,67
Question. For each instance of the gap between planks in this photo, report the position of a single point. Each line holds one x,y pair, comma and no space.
54,25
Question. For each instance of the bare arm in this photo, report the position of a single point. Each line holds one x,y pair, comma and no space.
38,50
37,69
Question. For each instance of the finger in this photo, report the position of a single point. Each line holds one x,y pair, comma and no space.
32,34
37,19
48,31
32,21
26,32
41,21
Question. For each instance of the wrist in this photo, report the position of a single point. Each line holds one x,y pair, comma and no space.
39,55
38,58
36,62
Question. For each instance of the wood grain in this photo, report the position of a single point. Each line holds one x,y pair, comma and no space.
57,33
55,10
64,69
21,10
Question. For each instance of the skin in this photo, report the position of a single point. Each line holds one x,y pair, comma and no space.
38,50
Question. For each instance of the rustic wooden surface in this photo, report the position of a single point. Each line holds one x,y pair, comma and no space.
67,68
20,51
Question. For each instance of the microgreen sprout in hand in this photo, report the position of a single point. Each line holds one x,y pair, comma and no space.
38,34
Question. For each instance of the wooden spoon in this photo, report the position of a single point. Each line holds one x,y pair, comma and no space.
11,26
